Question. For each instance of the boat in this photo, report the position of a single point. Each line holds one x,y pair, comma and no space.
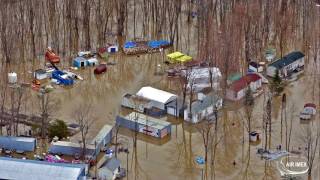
51,56
102,68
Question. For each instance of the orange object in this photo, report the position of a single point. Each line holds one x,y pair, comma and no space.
51,56
36,82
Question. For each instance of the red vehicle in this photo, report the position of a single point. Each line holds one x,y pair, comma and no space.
51,56
102,68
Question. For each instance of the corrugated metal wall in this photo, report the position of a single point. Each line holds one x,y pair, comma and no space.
13,143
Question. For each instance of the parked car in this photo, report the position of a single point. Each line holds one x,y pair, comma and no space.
305,116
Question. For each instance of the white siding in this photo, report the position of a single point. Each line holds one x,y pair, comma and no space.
271,71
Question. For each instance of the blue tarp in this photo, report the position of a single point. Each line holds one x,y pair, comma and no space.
158,44
57,75
130,44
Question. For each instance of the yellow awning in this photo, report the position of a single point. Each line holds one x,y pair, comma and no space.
184,58
175,55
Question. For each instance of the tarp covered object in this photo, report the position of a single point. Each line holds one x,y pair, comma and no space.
158,44
175,55
130,44
184,58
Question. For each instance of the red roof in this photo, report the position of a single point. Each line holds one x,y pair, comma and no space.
310,105
244,81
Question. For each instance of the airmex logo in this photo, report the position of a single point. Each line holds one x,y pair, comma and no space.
293,165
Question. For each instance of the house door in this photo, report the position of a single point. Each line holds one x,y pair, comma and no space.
82,64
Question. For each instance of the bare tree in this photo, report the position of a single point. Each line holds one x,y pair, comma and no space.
84,117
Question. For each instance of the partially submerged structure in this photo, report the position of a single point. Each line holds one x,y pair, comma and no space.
178,57
40,74
144,124
200,78
237,89
97,144
103,138
135,102
62,77
109,169
12,168
204,108
255,67
159,99
290,63
18,143
80,62
138,47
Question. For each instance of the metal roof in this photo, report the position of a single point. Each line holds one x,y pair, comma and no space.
112,164
156,94
71,144
106,129
209,100
147,120
19,169
287,59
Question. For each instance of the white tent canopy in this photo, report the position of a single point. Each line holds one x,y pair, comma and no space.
203,73
156,95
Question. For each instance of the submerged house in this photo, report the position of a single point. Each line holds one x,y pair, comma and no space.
160,99
237,89
80,62
145,124
290,63
203,108
92,61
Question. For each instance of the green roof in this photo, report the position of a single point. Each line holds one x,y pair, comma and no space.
234,77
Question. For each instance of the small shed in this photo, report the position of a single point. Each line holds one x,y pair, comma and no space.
18,143
145,124
40,74
92,61
104,137
80,62
255,67
113,49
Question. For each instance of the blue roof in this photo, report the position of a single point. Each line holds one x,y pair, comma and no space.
287,59
12,168
79,59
